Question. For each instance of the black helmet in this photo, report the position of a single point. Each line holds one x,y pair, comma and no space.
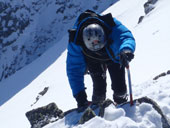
94,37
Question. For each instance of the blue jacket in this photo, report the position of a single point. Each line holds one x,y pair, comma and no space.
76,65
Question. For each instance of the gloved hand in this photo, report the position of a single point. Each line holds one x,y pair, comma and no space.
82,102
125,57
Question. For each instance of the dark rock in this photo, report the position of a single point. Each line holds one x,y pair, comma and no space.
160,75
140,19
168,72
88,114
42,93
105,104
44,115
148,7
152,1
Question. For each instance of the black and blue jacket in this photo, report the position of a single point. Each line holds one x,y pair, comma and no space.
118,39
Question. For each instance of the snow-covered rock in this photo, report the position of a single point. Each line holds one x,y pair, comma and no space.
144,113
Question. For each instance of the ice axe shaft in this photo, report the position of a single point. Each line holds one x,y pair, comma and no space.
130,85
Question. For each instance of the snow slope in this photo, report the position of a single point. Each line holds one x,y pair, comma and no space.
151,59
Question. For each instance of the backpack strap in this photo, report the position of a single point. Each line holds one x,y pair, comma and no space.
71,33
108,19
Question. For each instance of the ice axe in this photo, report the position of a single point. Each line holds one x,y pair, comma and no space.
130,84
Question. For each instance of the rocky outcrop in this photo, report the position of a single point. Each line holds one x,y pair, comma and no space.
161,75
148,7
40,94
87,115
44,115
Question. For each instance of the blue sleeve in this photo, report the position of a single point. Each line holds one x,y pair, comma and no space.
76,67
122,37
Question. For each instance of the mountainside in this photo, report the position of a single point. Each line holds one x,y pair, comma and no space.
45,81
29,28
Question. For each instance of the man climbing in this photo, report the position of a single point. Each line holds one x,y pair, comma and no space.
98,43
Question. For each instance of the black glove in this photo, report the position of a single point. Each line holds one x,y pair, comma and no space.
81,99
125,57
